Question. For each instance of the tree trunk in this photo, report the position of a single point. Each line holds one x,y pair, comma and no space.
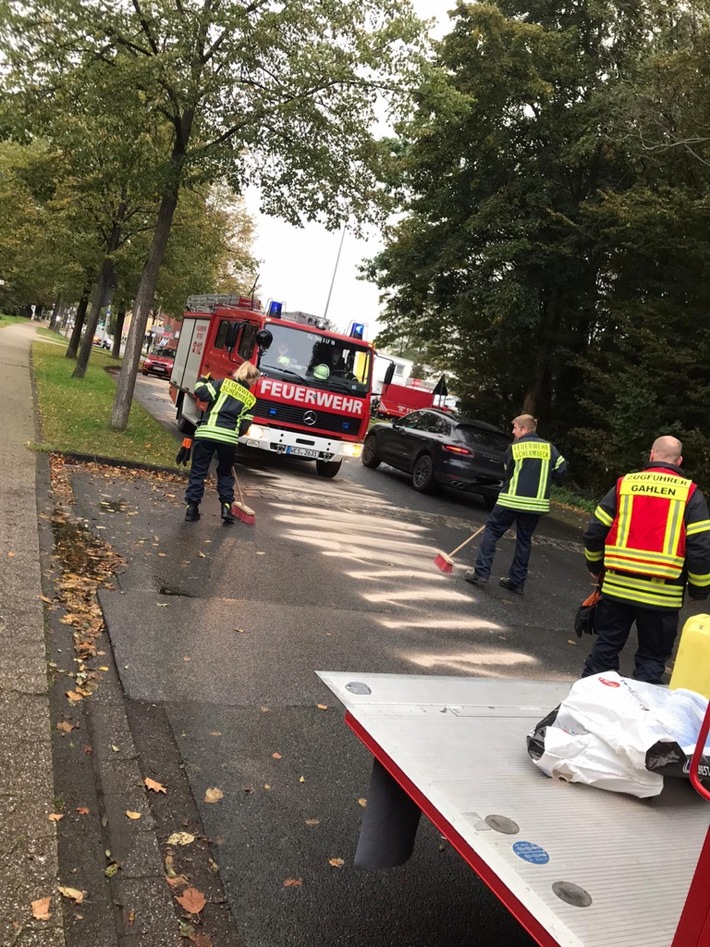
118,332
73,346
57,313
103,281
149,278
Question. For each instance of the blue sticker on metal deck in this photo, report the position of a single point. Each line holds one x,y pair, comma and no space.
530,852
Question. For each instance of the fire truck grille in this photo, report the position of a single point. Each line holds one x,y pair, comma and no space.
289,414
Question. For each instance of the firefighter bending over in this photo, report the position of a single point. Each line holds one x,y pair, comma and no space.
226,418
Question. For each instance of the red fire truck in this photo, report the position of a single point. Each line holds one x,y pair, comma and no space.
313,395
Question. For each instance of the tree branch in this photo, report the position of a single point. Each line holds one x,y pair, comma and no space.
145,27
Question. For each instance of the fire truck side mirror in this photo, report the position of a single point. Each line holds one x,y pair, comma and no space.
389,374
264,339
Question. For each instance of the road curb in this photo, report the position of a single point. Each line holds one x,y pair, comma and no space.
112,462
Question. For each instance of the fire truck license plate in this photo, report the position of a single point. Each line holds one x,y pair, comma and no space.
302,452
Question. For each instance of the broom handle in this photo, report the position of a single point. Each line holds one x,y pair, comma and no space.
467,541
239,489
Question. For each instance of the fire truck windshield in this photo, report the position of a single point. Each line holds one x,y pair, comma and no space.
334,363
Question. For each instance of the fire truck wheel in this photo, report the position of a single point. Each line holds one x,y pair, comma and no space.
328,468
423,474
369,452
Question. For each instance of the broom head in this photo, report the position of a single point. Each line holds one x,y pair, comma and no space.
243,513
444,563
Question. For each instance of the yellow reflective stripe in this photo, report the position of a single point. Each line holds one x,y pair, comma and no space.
699,579
513,485
645,555
701,526
528,504
642,568
624,523
673,523
558,463
594,556
542,483
604,518
216,434
645,592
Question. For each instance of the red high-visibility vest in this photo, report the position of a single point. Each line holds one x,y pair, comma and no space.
647,535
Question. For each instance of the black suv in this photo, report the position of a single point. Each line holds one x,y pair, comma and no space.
441,449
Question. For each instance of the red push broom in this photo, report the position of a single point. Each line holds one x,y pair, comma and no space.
239,507
445,561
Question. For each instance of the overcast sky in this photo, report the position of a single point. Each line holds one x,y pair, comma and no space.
298,263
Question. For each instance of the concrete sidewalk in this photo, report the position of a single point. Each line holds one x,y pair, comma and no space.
28,844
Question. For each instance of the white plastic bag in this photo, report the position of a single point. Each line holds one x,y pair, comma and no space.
606,726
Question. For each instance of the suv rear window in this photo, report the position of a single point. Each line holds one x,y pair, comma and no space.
478,437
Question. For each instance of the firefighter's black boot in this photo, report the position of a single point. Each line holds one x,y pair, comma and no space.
192,513
227,515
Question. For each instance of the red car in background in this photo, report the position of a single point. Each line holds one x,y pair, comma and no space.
159,362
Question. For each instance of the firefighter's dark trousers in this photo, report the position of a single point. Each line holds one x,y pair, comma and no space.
202,452
656,632
499,522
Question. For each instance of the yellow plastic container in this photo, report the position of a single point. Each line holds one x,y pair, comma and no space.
692,663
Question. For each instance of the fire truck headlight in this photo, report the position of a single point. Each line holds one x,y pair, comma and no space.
255,432
352,450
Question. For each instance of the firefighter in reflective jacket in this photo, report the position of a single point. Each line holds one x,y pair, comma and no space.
531,464
649,536
228,403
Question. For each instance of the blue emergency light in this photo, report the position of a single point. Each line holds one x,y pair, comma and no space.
357,330
275,309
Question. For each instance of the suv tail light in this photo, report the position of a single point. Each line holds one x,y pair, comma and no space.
458,450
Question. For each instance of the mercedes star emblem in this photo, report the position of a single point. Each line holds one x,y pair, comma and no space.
310,417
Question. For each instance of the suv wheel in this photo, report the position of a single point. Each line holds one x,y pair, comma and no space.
423,474
369,452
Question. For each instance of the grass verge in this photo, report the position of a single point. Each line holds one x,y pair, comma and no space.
11,320
75,413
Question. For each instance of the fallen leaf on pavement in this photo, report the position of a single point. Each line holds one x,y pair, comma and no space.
312,821
201,940
362,802
192,900
176,880
336,862
40,909
322,706
73,893
133,815
201,554
49,601
213,795
181,838
276,756
153,785
55,816
292,883
301,779
65,727
215,733
82,810
74,697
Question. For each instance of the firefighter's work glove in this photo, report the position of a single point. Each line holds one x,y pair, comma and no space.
696,594
183,455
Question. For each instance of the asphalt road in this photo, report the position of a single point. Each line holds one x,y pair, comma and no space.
217,632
